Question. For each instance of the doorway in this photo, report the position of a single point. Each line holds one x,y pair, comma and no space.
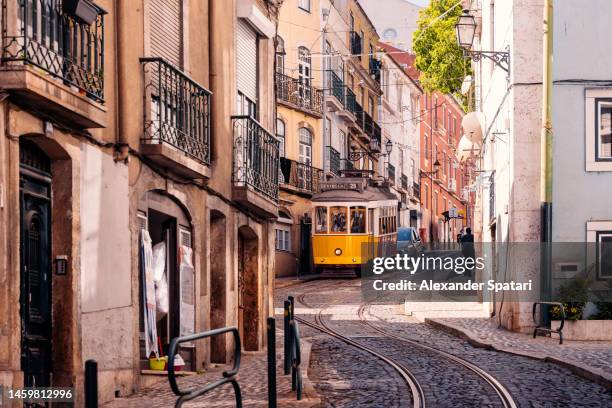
218,350
35,270
248,289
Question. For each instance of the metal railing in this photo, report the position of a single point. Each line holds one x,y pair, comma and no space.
346,164
256,160
416,190
404,181
40,33
177,109
301,175
336,86
333,160
296,93
356,44
351,101
375,68
228,376
391,173
541,328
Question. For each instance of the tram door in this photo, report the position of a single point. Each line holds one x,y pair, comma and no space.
35,277
371,224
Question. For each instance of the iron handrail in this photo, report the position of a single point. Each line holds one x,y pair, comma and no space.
538,327
228,376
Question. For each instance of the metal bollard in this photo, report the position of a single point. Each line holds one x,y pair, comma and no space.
271,362
287,345
91,384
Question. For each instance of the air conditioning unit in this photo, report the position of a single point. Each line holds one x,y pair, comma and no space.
452,185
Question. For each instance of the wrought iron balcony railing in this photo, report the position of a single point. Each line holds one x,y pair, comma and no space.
298,94
404,181
351,101
391,173
346,164
336,87
375,68
177,110
40,33
256,159
416,190
356,44
301,175
333,160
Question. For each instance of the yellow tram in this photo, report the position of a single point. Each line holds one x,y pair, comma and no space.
353,220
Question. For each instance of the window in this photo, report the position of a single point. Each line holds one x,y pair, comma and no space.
246,69
305,148
358,220
598,123
328,132
283,237
435,110
343,144
371,106
280,55
604,130
337,219
304,5
604,254
390,34
320,220
304,74
435,203
425,196
280,135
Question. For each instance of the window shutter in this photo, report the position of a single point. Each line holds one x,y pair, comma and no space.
185,237
142,220
166,30
246,59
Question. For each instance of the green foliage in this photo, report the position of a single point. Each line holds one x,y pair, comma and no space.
604,311
574,295
438,56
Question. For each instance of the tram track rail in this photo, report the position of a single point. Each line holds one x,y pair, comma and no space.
407,375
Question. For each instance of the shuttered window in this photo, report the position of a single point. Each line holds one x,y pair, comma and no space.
246,60
166,30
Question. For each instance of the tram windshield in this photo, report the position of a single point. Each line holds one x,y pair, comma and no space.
321,220
358,218
337,219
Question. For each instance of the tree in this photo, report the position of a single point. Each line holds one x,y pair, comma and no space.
438,56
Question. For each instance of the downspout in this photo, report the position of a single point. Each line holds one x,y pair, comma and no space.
546,175
122,148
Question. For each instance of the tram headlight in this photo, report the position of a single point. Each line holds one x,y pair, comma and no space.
338,252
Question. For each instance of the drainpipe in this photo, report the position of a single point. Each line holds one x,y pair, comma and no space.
546,175
122,149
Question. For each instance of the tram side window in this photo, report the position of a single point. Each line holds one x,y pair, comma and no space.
382,221
321,220
337,219
358,218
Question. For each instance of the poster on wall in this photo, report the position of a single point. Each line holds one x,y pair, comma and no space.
187,293
148,298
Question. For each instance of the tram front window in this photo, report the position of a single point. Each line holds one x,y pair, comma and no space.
338,219
321,220
358,220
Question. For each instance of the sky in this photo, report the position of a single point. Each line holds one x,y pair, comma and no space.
420,2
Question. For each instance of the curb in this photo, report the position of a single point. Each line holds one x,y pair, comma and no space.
582,370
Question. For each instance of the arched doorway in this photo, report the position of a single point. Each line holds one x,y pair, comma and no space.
248,288
218,282
35,272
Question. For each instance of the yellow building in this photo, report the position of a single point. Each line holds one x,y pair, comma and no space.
328,88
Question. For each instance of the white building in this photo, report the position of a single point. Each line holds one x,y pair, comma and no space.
395,20
510,105
398,119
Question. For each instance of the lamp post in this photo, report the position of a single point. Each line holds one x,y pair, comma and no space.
465,30
436,168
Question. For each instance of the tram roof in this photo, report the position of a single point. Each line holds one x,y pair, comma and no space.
370,193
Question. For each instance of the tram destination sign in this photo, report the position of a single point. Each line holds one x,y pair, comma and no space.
331,185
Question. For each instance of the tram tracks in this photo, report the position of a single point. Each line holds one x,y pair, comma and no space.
420,395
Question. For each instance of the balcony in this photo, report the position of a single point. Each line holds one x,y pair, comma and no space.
416,191
333,160
295,94
356,44
391,173
336,87
349,112
404,182
256,165
53,61
375,69
177,120
300,177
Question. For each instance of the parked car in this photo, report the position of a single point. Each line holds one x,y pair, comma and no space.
408,241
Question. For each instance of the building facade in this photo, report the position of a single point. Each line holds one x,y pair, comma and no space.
400,125
137,154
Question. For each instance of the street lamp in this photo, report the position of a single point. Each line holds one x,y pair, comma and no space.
436,167
465,29
389,146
